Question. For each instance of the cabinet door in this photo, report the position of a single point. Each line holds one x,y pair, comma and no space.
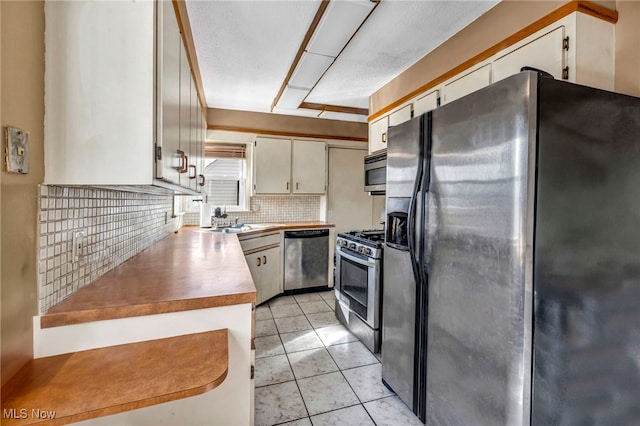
271,278
545,53
99,92
194,149
185,115
309,167
426,103
378,134
169,97
200,163
466,84
254,261
400,116
272,166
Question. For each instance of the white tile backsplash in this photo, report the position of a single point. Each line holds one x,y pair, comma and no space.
273,209
117,226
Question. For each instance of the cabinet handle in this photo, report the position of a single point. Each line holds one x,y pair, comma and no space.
287,185
264,260
297,185
384,137
201,183
183,162
259,261
192,168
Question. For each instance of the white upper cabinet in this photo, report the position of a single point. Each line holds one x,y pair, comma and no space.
272,166
545,53
114,96
578,48
185,118
470,82
400,116
591,51
426,103
308,167
99,92
196,145
285,166
169,89
378,134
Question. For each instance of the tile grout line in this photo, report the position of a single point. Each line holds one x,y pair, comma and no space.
339,369
294,375
326,348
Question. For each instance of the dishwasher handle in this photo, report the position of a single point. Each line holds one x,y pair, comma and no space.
307,233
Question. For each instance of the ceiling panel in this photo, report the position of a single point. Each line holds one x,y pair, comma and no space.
245,48
397,34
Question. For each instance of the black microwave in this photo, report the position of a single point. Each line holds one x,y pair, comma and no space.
375,173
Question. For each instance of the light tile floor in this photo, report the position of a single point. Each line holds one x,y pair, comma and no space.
310,370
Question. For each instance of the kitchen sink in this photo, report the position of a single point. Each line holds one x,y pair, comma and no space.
233,230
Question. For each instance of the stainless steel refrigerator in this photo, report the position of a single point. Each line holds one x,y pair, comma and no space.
512,257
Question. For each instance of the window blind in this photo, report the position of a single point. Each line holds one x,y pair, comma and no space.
220,150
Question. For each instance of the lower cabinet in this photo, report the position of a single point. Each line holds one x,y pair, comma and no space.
264,258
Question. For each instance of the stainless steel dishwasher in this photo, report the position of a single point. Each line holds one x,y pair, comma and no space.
306,259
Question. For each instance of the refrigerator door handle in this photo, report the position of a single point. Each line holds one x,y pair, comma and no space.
426,194
411,219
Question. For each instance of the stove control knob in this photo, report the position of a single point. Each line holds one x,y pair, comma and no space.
361,249
368,252
343,243
352,246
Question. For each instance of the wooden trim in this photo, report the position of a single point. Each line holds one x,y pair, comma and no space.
334,108
180,7
586,7
280,133
597,11
314,24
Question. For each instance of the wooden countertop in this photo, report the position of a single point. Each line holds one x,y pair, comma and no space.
184,271
82,385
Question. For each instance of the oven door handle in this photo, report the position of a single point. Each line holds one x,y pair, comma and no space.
368,263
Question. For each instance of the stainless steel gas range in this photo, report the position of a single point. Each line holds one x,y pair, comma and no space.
358,284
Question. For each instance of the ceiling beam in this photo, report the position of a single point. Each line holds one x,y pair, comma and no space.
334,108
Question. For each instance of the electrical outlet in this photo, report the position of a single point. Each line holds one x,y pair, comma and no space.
77,246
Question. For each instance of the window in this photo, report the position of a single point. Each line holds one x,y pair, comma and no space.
225,176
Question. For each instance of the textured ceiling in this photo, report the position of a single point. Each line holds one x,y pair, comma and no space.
245,48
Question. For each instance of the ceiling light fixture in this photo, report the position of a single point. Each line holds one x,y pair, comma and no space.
335,24
292,97
339,23
310,69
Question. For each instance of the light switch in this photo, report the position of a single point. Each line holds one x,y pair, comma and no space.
16,152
